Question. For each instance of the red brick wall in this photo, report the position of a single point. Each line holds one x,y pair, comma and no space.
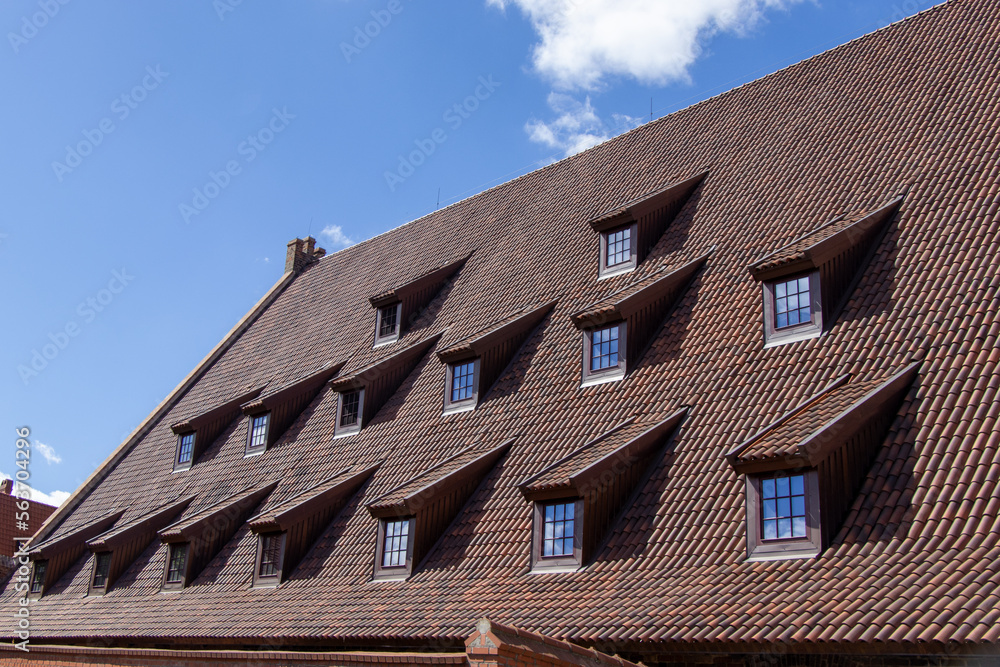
37,514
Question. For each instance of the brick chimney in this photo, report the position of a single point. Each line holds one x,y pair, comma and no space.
7,487
302,253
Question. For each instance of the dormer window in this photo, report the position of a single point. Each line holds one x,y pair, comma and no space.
349,410
102,568
618,328
604,354
38,576
257,437
177,560
576,499
807,283
387,323
783,507
463,386
270,551
630,231
476,362
793,309
396,542
618,251
558,535
413,516
185,449
803,471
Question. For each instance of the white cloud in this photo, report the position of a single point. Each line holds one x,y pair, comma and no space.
335,235
47,453
577,126
582,42
56,498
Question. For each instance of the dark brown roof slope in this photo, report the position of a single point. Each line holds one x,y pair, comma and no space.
913,566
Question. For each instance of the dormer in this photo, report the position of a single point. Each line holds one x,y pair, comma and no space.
115,550
396,309
51,558
474,363
413,516
271,414
195,434
617,329
578,499
363,391
806,283
286,531
804,470
194,541
630,231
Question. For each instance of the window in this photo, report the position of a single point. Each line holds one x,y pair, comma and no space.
604,354
102,568
176,563
394,548
618,251
397,536
783,519
557,536
792,309
783,507
387,323
258,432
185,448
462,387
557,530
38,576
349,411
270,555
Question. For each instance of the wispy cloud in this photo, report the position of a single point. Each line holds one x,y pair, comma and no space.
336,236
577,126
47,453
584,42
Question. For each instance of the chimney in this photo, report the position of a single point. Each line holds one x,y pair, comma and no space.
6,487
301,253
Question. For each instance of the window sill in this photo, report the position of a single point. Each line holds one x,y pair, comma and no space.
611,273
456,408
384,342
346,434
256,452
793,337
602,378
554,569
782,555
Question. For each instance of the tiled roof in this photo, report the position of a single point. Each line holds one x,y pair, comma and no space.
915,563
523,319
196,523
816,246
634,209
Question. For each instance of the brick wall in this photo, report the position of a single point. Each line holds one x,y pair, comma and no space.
37,514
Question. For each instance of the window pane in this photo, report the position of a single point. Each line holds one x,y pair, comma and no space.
258,430
396,543
178,559
38,575
186,449
270,555
604,348
557,532
102,567
783,507
791,302
462,377
387,321
619,244
350,402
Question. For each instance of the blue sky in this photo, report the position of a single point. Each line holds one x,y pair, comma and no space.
157,156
